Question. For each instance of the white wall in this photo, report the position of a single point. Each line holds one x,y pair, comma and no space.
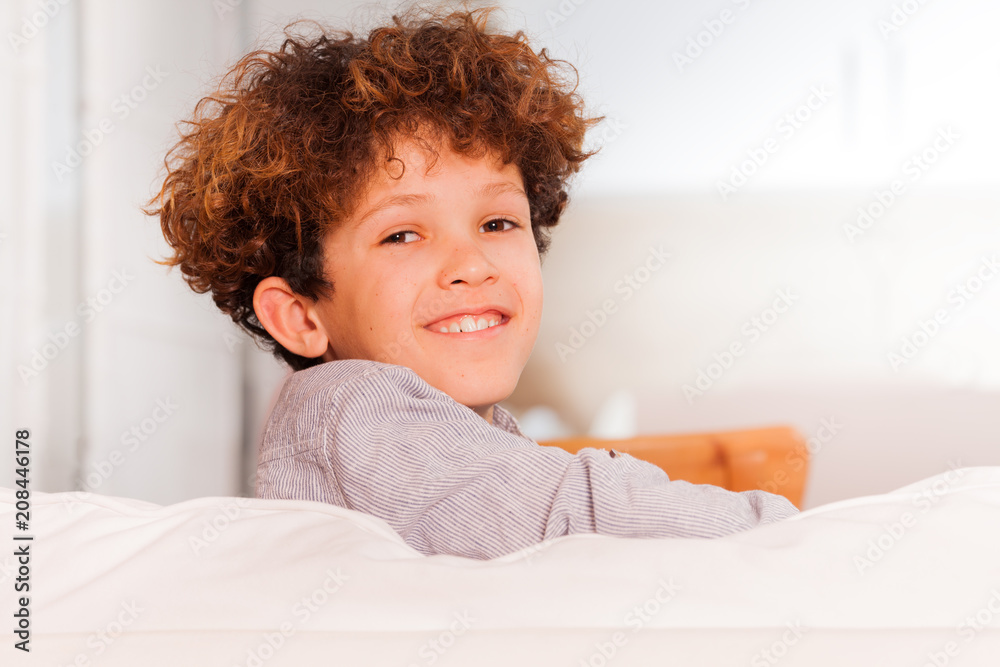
146,398
39,245
826,356
685,126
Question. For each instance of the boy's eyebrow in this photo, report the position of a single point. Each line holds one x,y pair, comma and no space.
487,190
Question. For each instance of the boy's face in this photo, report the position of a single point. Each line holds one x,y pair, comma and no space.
439,251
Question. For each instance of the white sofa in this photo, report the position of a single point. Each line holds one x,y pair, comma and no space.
906,578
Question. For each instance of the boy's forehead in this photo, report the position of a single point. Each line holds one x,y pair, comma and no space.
384,188
425,153
486,190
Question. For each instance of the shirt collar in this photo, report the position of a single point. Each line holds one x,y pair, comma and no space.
503,419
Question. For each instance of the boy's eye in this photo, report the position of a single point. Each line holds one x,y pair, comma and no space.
500,221
495,225
392,238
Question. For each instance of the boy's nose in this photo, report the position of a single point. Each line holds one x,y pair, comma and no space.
467,261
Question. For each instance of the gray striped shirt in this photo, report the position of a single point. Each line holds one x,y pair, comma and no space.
376,438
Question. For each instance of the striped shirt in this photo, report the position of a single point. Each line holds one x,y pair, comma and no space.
376,438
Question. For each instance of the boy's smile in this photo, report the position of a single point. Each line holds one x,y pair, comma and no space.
438,271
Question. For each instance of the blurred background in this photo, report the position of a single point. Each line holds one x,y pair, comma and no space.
793,220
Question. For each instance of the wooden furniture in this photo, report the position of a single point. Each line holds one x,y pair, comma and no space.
774,459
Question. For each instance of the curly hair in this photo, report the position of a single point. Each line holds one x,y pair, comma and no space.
282,151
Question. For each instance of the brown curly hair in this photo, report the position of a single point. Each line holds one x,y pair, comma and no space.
282,152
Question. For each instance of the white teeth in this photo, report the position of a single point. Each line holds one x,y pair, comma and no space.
468,324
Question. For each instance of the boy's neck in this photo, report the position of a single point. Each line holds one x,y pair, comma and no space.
486,413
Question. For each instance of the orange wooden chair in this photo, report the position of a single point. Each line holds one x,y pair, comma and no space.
774,459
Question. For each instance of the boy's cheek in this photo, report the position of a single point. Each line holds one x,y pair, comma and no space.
393,350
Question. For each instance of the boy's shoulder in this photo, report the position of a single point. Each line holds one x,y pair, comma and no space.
308,396
341,379
327,378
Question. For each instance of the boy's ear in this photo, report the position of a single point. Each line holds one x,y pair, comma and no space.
290,318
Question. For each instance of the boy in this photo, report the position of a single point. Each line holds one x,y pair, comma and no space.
375,211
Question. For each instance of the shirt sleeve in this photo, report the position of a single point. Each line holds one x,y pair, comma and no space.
451,483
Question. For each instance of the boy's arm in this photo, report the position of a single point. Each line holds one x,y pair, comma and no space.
450,483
